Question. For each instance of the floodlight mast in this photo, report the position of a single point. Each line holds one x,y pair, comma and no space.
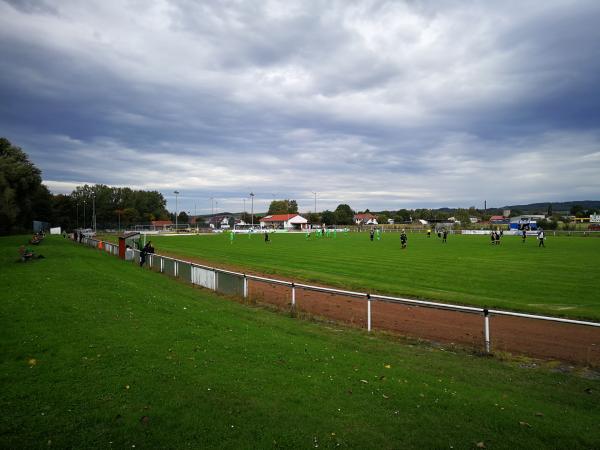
315,201
94,211
176,208
252,208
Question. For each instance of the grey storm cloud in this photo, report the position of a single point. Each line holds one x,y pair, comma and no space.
372,103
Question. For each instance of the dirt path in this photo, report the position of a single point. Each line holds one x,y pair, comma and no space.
541,339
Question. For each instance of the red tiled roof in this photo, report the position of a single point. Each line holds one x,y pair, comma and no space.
497,218
364,216
278,218
161,222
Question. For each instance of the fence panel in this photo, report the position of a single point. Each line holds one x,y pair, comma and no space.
169,267
344,308
273,294
453,327
203,277
230,284
545,339
136,257
156,263
184,271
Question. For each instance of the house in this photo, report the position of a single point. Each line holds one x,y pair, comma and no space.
473,219
161,224
365,219
284,221
499,220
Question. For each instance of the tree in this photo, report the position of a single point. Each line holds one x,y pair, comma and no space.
344,215
327,217
382,218
549,211
314,218
283,207
183,217
23,197
402,216
577,211
64,212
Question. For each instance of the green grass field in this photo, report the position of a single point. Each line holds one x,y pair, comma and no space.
97,353
561,279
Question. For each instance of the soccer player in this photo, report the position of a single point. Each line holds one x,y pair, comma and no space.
428,232
444,235
540,237
403,239
371,234
524,235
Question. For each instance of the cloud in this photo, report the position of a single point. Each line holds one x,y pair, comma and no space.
376,104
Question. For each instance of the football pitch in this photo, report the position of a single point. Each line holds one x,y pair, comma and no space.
98,353
562,279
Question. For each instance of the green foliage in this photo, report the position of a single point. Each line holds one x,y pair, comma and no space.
313,218
97,353
577,211
183,218
548,224
283,207
328,217
344,215
23,197
137,206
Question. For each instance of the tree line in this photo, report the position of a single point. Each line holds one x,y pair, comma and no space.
24,198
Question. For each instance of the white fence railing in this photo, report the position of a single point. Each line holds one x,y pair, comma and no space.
236,283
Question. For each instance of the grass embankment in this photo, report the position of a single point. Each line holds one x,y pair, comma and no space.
98,353
561,279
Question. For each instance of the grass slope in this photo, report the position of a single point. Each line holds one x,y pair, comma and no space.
562,279
98,353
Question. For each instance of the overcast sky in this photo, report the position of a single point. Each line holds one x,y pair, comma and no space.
381,105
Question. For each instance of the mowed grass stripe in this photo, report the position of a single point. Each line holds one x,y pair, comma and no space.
99,353
562,279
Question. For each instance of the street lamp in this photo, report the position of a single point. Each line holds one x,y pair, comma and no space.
252,208
94,211
176,208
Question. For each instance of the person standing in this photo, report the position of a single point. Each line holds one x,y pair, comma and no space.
148,249
444,235
371,234
403,239
524,235
428,232
540,237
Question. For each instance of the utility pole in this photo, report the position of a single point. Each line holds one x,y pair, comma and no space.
252,208
176,208
84,214
94,211
77,213
315,201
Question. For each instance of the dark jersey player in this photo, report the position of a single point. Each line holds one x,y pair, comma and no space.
403,239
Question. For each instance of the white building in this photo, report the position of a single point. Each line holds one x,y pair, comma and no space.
284,221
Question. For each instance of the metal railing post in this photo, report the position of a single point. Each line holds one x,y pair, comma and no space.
368,312
162,265
293,295
486,329
176,268
245,286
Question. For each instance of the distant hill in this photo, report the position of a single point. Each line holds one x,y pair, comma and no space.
556,206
